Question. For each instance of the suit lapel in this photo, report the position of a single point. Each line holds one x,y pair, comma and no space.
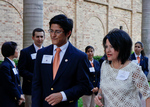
94,63
133,57
90,63
32,49
49,67
12,66
141,60
65,61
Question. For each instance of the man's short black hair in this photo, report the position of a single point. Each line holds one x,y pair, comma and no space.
65,23
8,48
121,42
37,30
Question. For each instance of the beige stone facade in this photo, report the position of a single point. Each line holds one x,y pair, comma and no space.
93,19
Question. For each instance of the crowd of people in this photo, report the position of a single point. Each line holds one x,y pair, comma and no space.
59,74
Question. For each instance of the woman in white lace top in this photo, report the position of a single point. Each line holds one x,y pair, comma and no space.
121,79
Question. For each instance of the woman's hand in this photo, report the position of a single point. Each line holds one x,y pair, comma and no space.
97,100
22,99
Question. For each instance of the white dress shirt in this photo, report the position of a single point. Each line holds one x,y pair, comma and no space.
136,57
62,53
36,48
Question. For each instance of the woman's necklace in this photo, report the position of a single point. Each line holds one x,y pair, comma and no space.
115,68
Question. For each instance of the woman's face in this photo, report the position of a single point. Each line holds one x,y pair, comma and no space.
16,53
90,53
138,48
111,53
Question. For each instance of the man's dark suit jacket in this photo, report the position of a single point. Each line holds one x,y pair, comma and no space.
26,68
102,60
143,63
71,77
10,90
94,76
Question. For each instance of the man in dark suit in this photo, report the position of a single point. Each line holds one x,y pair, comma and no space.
102,60
71,80
27,60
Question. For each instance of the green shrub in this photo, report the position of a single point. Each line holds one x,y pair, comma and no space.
97,57
1,62
15,60
80,103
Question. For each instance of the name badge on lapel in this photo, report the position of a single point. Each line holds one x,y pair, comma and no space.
122,75
47,59
15,71
33,56
92,69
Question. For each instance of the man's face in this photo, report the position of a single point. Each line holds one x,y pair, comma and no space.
58,35
38,38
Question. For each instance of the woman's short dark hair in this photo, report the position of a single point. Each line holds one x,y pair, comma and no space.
121,42
142,46
86,49
65,23
8,48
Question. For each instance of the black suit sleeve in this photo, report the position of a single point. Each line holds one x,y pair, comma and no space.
22,65
83,84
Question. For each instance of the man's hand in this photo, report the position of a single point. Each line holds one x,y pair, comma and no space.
95,89
54,98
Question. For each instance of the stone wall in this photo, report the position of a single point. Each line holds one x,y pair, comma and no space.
93,19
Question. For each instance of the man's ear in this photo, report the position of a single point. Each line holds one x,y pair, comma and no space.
68,34
32,38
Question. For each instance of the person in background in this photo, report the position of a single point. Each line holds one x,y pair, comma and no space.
102,60
26,63
121,79
11,94
60,77
94,76
139,57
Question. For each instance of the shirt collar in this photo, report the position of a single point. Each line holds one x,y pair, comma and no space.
36,47
91,61
137,55
11,61
63,48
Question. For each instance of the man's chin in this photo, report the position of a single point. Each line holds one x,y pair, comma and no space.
54,43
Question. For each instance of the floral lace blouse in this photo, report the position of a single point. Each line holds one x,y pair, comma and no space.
122,89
